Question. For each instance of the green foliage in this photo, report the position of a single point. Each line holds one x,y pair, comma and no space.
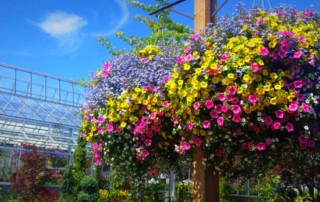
89,185
163,28
89,190
85,197
183,191
79,164
67,184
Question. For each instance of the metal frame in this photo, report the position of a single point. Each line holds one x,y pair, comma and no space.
39,109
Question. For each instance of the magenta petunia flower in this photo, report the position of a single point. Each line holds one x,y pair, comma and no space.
224,108
311,143
255,67
152,116
206,124
276,125
279,114
264,51
305,107
236,118
297,54
220,121
148,142
298,84
101,119
232,90
221,96
253,99
110,127
268,121
293,106
197,142
261,146
236,109
145,153
196,105
289,127
224,57
190,125
209,104
95,146
214,114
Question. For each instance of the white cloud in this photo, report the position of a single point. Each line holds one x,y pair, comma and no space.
65,28
59,24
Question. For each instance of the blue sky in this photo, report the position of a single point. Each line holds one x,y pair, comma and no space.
57,37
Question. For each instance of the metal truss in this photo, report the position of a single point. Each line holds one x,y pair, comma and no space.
38,109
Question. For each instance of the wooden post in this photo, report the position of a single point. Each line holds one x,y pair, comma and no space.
206,184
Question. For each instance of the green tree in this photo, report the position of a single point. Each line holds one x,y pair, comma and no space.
79,164
161,27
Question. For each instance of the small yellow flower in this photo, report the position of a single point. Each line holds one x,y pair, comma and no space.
186,66
273,101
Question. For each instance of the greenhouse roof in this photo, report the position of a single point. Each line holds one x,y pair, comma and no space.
38,109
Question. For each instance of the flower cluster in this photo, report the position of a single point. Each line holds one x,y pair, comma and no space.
242,92
249,91
124,117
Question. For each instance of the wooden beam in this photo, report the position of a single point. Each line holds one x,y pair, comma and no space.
202,14
206,184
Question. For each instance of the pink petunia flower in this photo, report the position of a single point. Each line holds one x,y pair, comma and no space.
293,106
253,99
101,119
224,108
95,146
196,105
166,79
264,51
180,60
250,146
190,125
232,90
311,143
220,121
297,54
261,146
276,125
145,153
165,104
206,124
236,118
224,57
236,109
209,104
197,142
268,121
214,114
289,127
279,114
255,67
221,96
305,107
106,70
110,127
298,84
148,142
152,116
188,58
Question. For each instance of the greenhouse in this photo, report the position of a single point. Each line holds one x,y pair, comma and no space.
37,109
